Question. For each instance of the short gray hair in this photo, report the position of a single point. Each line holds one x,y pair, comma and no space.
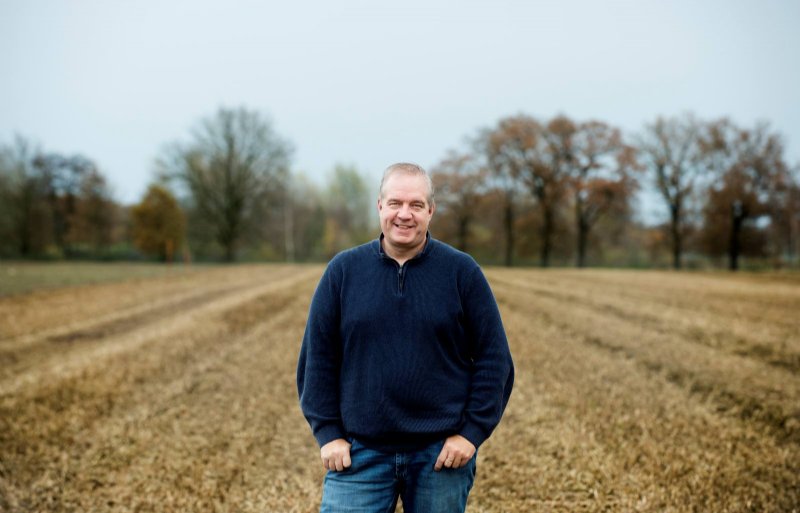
410,169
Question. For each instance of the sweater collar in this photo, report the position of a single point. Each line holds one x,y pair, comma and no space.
378,245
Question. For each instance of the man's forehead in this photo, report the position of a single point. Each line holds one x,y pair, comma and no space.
401,183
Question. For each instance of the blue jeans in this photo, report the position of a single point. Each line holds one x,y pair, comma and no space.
376,479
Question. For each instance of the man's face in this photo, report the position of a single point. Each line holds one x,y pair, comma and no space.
404,211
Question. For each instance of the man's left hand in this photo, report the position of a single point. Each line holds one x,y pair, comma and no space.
457,451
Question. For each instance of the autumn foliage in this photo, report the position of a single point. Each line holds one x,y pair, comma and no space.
679,192
158,224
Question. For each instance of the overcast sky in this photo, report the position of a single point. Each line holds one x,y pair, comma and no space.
370,83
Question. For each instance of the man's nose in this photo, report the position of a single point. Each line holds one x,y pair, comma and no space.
405,212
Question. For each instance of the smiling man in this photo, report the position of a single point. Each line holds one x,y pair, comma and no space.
404,369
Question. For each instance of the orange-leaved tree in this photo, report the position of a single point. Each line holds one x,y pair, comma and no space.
750,174
159,224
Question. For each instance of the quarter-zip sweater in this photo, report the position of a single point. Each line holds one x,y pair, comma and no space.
401,356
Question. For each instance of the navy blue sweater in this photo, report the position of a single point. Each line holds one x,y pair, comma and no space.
399,357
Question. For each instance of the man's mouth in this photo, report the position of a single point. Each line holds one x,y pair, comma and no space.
403,226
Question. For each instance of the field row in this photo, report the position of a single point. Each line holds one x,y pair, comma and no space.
635,391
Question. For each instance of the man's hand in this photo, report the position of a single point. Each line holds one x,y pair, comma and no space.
457,451
336,455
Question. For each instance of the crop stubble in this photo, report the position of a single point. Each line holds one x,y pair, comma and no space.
635,391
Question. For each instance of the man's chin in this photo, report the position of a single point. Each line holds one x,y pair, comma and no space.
408,241
406,237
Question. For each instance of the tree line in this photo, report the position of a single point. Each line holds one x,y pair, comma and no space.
564,190
520,192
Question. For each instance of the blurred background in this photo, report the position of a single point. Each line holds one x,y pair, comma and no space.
575,133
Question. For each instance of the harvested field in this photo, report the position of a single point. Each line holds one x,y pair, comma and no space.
635,391
21,277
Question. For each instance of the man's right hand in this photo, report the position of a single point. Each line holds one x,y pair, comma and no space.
336,455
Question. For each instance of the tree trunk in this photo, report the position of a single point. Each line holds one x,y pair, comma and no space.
547,235
25,223
677,238
288,229
582,231
228,237
463,231
583,236
24,234
509,227
230,252
66,224
734,245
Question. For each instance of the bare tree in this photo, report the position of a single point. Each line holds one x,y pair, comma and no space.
234,163
62,178
459,180
600,170
671,151
26,227
786,217
93,220
50,199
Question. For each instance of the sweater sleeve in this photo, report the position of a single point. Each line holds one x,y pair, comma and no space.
493,368
320,362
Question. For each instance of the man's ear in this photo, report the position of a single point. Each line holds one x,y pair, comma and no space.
379,203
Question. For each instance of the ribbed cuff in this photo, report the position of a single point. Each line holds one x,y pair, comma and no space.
328,433
473,433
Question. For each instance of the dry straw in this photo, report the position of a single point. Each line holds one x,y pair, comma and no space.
635,391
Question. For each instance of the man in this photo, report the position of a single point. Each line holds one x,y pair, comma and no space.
405,368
